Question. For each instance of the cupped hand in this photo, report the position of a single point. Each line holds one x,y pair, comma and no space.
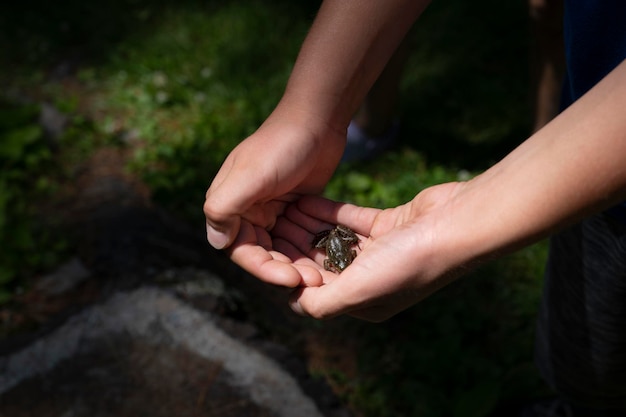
398,262
264,173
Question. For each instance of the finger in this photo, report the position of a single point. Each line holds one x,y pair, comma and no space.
291,252
342,294
221,209
359,219
261,214
312,272
268,265
231,194
361,287
296,243
311,224
334,299
300,240
220,235
321,302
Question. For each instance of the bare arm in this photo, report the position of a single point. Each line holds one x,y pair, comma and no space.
348,46
571,168
567,170
298,147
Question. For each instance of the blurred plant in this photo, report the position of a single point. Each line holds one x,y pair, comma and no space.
390,180
24,159
186,92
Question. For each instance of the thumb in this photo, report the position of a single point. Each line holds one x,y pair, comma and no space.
321,303
222,215
229,195
221,235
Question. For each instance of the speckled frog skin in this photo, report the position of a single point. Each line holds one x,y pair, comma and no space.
338,244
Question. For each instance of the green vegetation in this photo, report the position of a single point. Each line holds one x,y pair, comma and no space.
188,92
181,83
20,153
23,155
34,169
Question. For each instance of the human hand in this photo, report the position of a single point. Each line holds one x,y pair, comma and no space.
396,265
273,167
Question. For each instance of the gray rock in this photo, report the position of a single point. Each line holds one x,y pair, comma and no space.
148,319
64,278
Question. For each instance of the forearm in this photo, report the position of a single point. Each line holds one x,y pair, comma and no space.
346,49
569,169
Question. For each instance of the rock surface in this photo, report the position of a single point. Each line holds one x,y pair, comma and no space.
147,352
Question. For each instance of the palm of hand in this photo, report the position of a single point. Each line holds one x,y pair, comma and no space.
391,271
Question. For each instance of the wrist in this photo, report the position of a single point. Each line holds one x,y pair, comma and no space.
488,218
319,115
466,227
306,130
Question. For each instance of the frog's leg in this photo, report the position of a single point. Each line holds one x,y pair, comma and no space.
320,239
347,235
328,265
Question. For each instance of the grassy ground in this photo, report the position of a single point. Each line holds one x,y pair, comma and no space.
182,82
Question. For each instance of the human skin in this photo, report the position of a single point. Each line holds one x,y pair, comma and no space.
296,150
256,210
571,168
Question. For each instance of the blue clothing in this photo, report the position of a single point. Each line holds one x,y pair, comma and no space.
595,43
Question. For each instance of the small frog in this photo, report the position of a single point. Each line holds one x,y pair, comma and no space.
338,245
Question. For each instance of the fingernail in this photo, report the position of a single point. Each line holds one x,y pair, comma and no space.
294,303
217,239
297,308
